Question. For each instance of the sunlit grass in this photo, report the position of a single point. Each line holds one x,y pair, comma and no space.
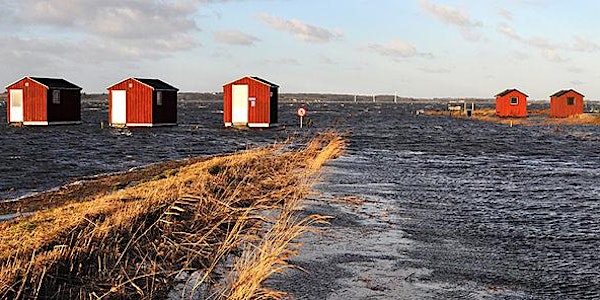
134,242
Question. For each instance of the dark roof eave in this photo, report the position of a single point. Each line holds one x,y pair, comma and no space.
562,92
166,90
508,91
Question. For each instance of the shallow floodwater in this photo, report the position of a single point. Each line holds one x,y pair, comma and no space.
35,159
475,210
493,212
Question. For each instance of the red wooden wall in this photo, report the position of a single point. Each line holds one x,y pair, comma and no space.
139,101
261,112
35,104
560,109
505,109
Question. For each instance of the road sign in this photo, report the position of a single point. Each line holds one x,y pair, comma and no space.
301,111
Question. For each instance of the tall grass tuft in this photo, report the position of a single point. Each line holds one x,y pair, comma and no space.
139,242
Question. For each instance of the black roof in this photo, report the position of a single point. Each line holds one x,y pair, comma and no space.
55,83
562,92
264,81
508,91
157,84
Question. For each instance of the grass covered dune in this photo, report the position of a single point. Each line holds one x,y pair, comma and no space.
142,241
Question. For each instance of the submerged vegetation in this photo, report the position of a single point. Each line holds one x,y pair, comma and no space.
172,233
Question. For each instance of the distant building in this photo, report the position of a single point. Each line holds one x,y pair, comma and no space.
511,103
250,101
141,102
566,103
43,101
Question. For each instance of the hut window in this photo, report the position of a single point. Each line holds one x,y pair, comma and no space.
514,101
159,101
570,101
26,83
56,97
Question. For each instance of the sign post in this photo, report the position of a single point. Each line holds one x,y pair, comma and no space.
301,112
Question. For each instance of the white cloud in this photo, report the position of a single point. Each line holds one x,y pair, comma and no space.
547,49
577,82
509,32
283,61
552,55
583,44
576,70
454,17
518,55
396,48
435,70
304,32
234,37
323,59
146,28
505,14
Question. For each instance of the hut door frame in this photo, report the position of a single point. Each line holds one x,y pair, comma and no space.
16,111
118,107
239,104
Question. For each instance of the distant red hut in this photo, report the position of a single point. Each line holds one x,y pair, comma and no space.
43,101
511,103
566,103
141,102
250,101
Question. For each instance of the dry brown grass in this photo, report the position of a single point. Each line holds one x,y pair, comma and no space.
585,119
133,243
536,117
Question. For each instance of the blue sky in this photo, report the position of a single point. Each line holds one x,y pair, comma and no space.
417,48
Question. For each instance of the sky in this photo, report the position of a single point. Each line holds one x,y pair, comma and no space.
415,48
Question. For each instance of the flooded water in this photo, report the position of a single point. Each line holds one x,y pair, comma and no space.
38,158
484,211
493,212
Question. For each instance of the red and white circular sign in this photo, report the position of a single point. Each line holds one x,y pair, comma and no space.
301,111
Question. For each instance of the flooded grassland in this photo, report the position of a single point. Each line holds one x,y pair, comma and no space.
426,207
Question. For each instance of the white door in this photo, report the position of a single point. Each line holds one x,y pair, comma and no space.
119,107
16,106
239,105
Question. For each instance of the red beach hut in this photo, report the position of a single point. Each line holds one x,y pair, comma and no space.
43,101
566,103
250,101
511,103
142,102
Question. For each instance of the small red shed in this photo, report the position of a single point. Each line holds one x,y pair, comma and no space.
250,101
511,103
566,103
137,102
43,101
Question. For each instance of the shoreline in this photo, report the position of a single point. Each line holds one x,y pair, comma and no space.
534,118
